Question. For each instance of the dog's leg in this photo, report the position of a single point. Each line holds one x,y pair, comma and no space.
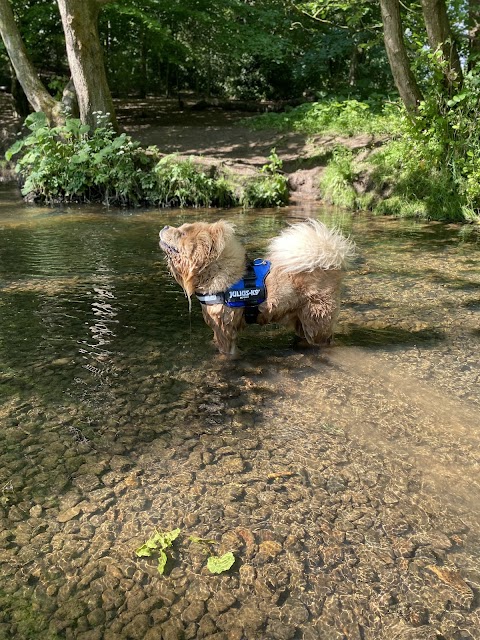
317,329
225,323
299,329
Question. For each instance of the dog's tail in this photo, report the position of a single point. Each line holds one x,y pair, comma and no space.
310,245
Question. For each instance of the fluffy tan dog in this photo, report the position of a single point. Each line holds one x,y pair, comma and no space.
308,262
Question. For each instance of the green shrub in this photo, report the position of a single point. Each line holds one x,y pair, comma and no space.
70,163
269,189
347,117
430,168
181,183
434,167
404,183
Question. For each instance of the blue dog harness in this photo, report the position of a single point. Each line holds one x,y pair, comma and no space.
249,292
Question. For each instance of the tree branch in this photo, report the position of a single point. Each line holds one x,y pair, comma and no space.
331,23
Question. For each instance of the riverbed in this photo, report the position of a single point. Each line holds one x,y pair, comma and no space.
345,481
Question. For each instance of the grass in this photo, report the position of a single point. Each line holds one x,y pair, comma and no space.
347,117
402,183
336,183
398,183
405,178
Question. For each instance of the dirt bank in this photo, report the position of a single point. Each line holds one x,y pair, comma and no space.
221,136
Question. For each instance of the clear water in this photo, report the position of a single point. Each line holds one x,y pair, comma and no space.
345,481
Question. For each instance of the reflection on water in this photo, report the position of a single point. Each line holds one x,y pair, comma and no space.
346,482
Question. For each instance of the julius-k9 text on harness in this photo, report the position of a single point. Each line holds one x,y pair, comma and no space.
248,292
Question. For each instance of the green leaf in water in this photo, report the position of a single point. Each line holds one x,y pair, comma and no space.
166,539
159,541
162,561
144,551
217,564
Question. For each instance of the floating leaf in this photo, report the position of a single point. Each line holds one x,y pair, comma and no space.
220,564
159,541
168,537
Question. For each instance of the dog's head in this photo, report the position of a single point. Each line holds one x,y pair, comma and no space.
191,248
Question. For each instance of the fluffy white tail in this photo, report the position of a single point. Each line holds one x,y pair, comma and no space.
310,245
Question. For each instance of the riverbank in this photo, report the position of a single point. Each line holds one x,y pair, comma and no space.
219,138
394,169
223,137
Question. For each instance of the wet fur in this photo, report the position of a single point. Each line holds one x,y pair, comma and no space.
308,263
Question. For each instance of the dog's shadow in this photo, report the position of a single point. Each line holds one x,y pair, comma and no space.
389,336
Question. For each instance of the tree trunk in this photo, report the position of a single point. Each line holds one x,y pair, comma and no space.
397,55
33,87
20,100
143,84
353,69
440,36
85,58
69,100
473,33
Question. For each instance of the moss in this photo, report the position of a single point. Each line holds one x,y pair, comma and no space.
25,617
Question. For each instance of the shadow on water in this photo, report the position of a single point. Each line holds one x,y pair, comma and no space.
389,337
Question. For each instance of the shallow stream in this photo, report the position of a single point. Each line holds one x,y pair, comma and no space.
346,481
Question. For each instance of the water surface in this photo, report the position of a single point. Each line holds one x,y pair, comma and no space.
345,481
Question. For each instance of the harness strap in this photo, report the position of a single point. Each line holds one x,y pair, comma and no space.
211,298
248,293
251,308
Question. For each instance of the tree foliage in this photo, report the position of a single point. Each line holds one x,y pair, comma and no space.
242,49
343,57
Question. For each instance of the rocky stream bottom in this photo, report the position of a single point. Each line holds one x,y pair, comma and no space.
333,537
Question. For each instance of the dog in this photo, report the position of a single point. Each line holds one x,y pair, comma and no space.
298,284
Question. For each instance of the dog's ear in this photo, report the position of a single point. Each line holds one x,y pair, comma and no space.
221,232
206,248
209,244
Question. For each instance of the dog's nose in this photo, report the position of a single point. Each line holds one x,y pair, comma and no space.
165,227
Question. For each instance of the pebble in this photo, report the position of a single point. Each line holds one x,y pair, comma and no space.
172,629
270,548
193,612
16,514
69,514
36,511
137,628
119,463
96,617
93,634
220,602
